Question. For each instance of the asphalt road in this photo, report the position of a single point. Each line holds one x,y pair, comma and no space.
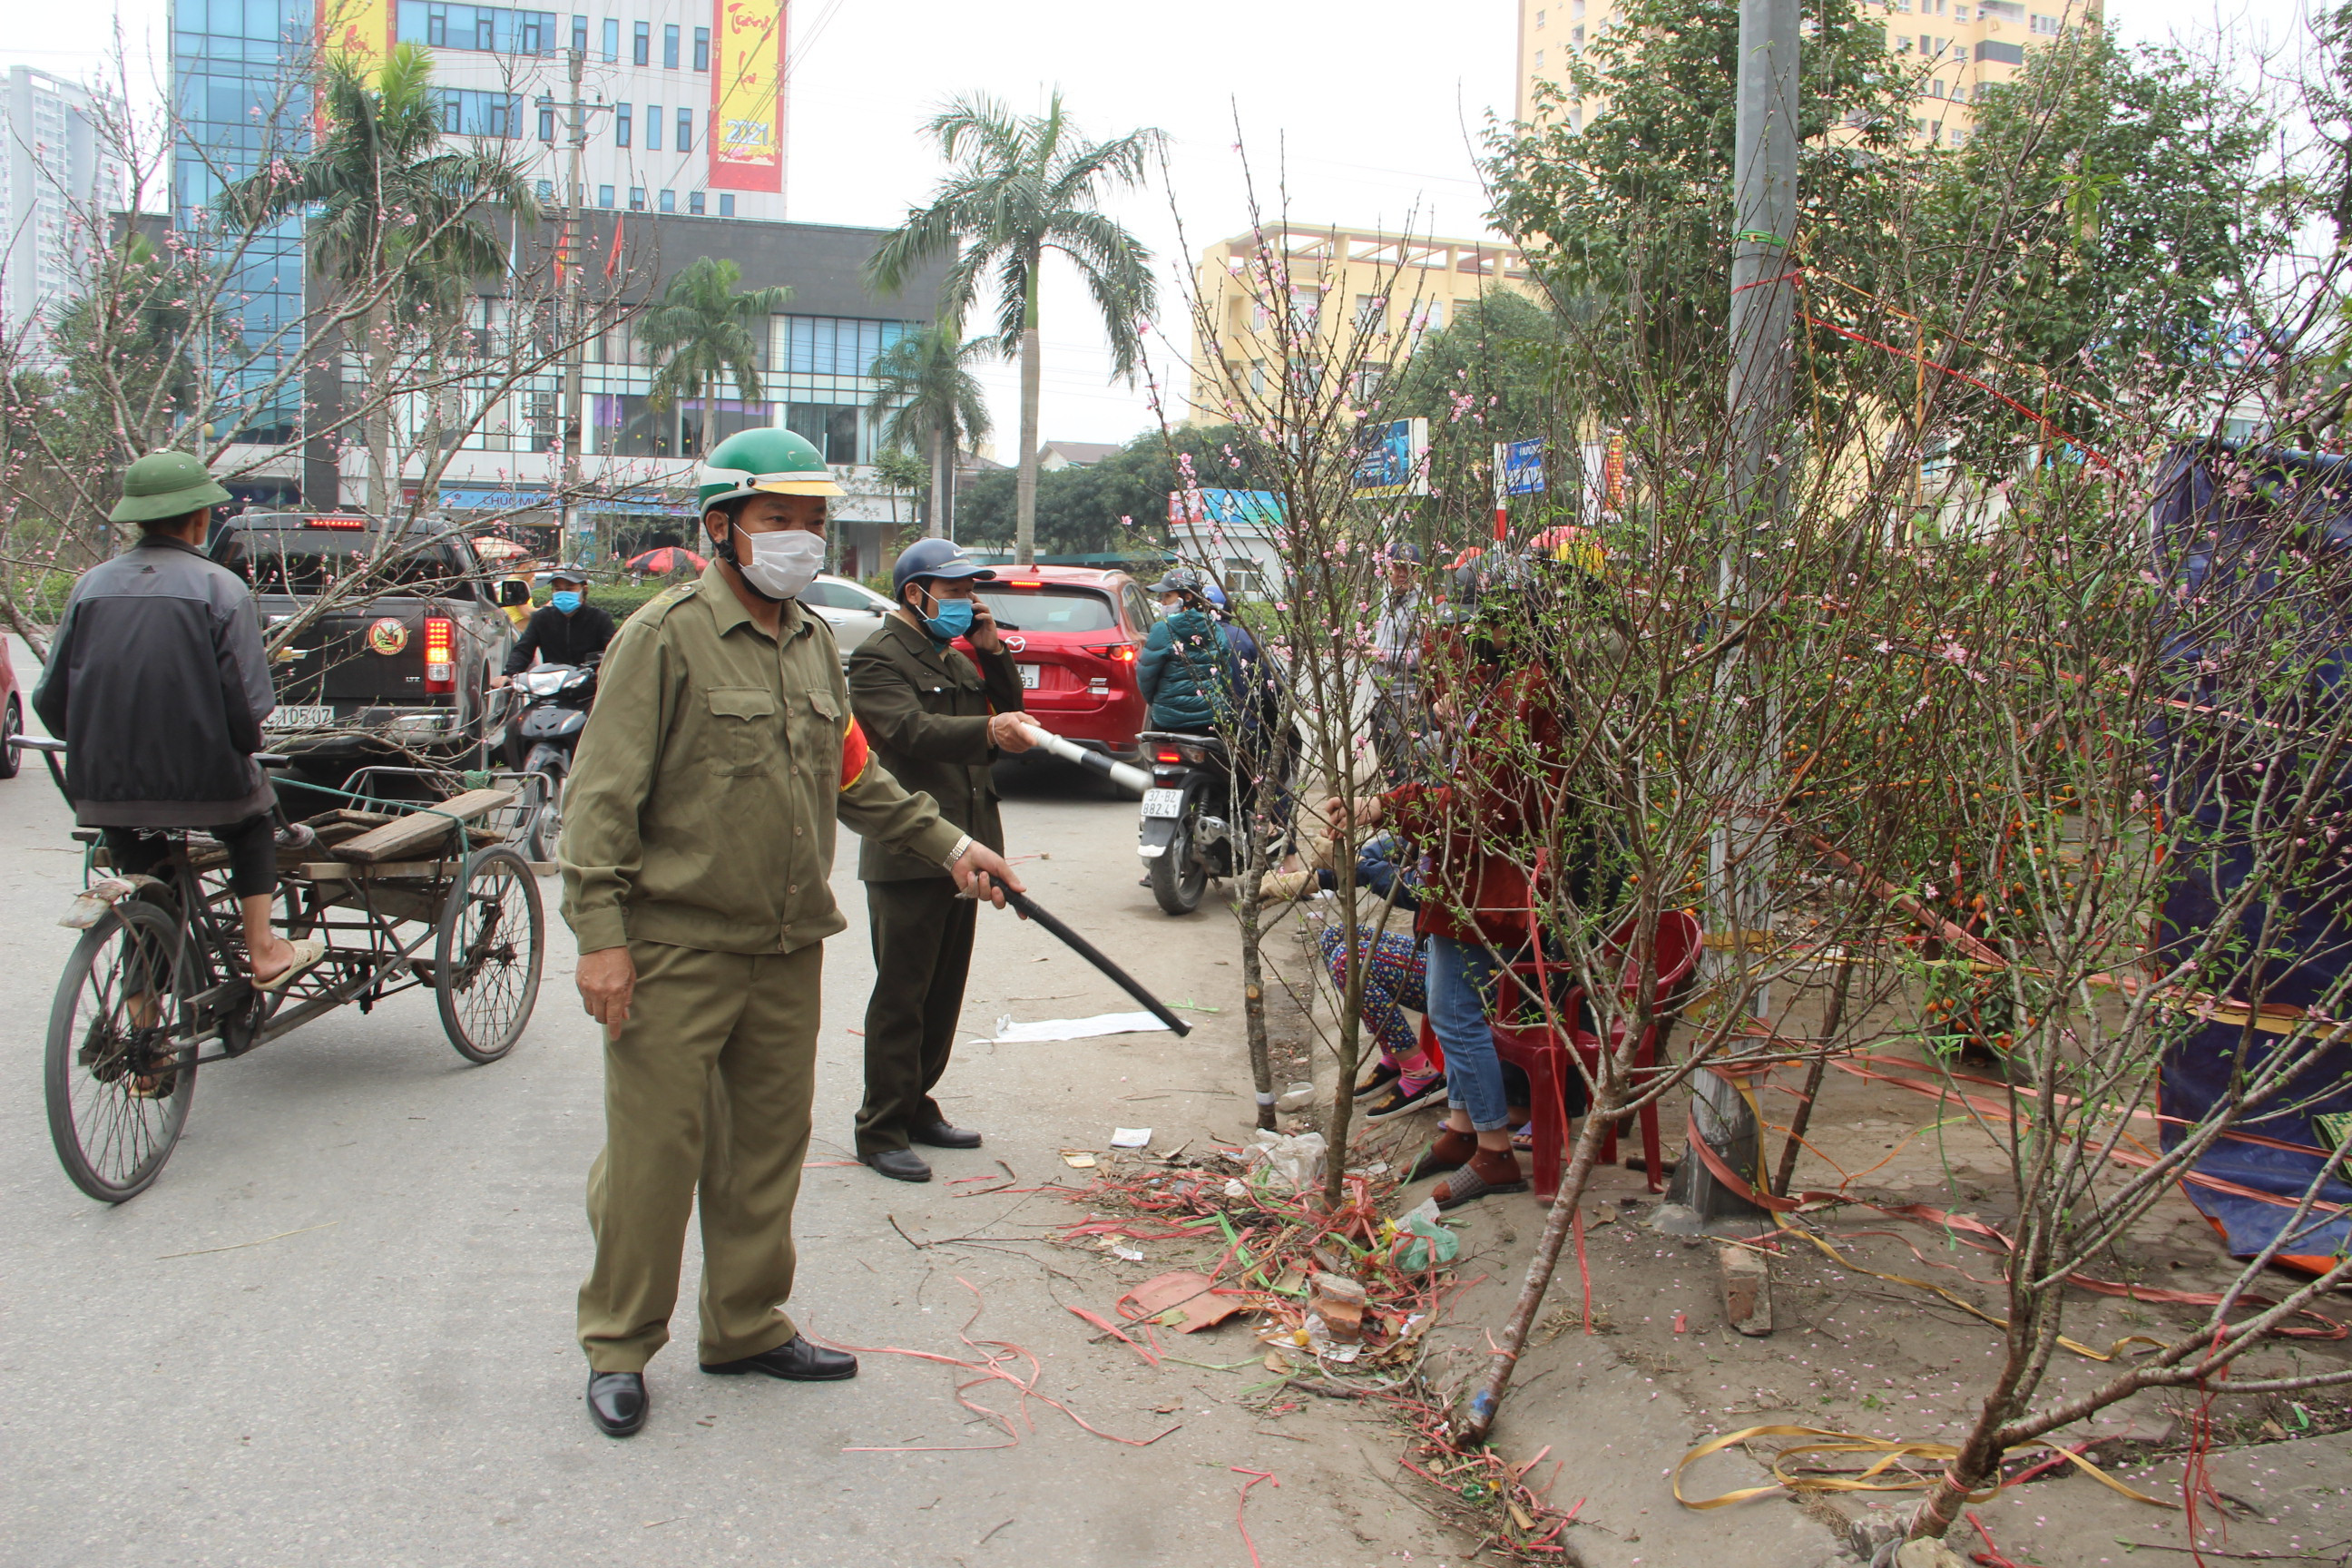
339,1330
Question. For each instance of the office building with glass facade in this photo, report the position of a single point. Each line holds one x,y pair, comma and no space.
240,97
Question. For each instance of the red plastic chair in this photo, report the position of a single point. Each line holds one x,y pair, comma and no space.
1536,1050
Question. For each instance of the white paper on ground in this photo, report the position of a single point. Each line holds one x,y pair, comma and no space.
1078,1028
1131,1137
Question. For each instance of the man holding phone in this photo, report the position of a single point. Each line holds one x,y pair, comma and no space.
936,717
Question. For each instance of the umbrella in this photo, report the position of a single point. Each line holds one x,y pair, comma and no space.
668,559
499,548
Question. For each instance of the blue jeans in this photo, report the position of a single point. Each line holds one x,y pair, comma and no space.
1462,985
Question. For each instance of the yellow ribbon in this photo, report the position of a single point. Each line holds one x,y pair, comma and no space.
1890,1452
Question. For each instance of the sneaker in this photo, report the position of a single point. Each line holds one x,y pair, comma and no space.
1405,1095
1384,1074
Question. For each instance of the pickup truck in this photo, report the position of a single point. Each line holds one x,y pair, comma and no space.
398,669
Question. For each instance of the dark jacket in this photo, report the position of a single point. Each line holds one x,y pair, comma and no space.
157,683
925,710
1184,671
559,638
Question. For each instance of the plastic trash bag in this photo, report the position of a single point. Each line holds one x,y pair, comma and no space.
1296,1162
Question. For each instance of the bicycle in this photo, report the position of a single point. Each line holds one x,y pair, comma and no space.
159,986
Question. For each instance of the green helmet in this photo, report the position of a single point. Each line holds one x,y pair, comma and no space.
768,460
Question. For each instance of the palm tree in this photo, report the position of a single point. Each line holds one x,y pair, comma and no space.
393,215
1022,186
900,472
704,330
929,401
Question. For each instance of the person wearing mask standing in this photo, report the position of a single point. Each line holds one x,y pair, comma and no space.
936,717
1396,718
567,629
697,853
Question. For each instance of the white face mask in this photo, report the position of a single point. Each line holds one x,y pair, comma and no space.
782,565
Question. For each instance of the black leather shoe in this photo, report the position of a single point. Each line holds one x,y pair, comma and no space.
899,1164
944,1135
795,1360
617,1402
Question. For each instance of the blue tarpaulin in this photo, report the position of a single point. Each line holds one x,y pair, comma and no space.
2218,538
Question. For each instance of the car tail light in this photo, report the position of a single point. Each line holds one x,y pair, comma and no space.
1117,652
1168,754
1025,583
440,654
354,524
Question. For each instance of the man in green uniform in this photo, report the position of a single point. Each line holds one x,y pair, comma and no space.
697,844
936,719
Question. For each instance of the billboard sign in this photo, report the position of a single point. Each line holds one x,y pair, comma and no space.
1519,468
1225,509
746,140
1391,460
359,31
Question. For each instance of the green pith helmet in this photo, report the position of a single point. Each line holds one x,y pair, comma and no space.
768,461
166,484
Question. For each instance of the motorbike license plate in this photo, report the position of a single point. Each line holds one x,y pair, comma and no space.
316,716
1028,676
1163,803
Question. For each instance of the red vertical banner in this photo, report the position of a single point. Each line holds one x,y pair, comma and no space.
746,141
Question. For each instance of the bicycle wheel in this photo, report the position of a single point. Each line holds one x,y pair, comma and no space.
487,958
120,1073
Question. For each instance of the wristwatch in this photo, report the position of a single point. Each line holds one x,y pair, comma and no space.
957,853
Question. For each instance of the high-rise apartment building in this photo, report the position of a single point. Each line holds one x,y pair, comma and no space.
687,99
1342,289
1953,48
58,183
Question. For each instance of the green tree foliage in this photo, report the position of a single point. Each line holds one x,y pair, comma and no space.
2114,206
930,402
706,330
1118,505
1486,376
1628,220
1022,186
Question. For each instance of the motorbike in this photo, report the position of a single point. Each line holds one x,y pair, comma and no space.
1185,834
556,699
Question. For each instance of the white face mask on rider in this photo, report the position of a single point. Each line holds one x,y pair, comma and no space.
784,563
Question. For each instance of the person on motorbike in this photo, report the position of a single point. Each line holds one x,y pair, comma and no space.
567,629
1187,671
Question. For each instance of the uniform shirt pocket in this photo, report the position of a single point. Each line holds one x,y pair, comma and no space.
743,731
817,731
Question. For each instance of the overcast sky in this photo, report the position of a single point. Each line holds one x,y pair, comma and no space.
1369,115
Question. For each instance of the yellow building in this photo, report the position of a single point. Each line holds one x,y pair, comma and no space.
1338,286
1955,50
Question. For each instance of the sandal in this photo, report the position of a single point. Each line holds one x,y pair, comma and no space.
1467,1186
308,952
1451,1151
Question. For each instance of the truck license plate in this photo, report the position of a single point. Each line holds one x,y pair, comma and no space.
316,717
1028,676
1163,803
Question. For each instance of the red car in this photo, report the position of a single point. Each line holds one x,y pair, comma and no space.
1076,633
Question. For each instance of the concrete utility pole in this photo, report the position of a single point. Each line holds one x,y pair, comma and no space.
1763,306
573,318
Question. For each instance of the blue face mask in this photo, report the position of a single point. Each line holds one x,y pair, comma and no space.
567,601
952,619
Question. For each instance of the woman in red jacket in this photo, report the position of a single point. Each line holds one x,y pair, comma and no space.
1481,833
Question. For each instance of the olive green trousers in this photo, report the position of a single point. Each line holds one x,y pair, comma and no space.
706,1096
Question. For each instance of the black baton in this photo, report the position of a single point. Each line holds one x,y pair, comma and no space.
1088,951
